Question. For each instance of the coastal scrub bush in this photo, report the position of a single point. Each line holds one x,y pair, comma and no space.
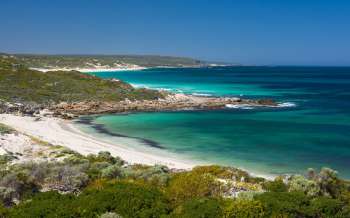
287,204
105,156
7,195
199,208
12,186
6,158
329,182
4,129
275,186
243,209
95,169
126,199
112,172
299,183
248,195
326,207
156,175
46,204
110,215
4,211
66,178
188,185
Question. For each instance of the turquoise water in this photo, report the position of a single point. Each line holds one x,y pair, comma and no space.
313,130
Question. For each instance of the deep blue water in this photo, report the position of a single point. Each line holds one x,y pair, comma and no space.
313,133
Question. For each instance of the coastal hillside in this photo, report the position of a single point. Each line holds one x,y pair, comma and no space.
20,84
106,61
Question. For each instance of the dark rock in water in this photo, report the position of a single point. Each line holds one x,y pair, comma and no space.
268,102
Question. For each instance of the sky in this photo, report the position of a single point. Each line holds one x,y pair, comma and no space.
251,32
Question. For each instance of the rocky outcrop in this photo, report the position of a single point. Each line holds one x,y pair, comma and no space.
171,102
20,108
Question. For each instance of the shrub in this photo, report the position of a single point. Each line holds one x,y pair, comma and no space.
105,156
7,195
4,129
66,178
46,204
110,215
329,182
189,185
299,183
112,172
248,195
244,209
325,207
11,187
126,199
6,158
157,175
199,208
95,169
289,204
275,186
4,212
226,173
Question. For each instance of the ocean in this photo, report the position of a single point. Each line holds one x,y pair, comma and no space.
310,129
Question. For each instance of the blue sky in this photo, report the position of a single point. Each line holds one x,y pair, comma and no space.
289,32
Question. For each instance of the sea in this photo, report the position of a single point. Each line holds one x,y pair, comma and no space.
309,129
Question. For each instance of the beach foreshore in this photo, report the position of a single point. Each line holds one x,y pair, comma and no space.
62,132
58,131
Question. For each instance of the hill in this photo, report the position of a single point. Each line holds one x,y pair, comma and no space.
20,84
87,61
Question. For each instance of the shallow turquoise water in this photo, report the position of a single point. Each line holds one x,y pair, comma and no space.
313,133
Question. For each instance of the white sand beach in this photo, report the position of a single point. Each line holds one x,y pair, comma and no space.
89,70
62,132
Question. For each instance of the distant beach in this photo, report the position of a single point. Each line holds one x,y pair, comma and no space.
90,70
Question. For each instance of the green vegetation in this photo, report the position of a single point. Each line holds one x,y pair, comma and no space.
19,84
104,186
5,129
86,61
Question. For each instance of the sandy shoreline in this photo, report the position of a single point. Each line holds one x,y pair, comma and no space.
62,132
90,70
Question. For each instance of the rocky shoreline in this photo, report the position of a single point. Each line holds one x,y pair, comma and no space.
171,102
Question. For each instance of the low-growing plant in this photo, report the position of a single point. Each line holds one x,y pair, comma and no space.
112,172
4,129
275,186
198,208
299,183
189,185
244,209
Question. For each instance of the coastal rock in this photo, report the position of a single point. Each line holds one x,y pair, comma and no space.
268,102
170,102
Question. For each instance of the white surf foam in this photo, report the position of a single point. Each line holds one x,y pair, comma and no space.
286,104
201,94
239,106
